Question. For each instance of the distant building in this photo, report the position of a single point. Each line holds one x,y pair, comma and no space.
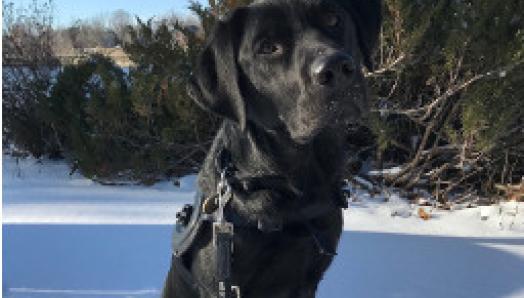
75,56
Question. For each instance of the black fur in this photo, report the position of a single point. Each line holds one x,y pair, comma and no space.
285,115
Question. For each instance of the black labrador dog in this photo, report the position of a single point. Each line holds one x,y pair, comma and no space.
286,76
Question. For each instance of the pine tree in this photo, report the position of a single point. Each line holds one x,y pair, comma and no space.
449,93
90,111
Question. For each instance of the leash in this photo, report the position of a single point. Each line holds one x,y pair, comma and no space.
223,233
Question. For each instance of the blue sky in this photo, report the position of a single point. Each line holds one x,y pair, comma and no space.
67,11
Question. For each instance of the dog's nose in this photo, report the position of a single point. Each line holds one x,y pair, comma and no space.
332,69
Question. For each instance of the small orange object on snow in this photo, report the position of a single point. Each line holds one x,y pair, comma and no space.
423,214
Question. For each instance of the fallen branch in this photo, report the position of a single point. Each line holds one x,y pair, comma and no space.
387,68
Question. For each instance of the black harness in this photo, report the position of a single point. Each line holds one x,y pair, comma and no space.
210,212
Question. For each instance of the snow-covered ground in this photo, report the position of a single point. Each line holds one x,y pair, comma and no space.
44,193
65,236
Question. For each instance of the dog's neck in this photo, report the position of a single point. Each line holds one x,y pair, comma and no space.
262,152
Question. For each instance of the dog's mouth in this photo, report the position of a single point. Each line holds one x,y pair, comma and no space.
306,128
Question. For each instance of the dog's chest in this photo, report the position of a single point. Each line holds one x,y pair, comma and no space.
279,262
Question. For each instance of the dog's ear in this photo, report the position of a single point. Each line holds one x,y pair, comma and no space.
367,15
215,81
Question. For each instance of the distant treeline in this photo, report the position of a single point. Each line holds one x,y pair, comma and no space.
104,31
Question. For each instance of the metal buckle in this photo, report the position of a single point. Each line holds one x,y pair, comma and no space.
224,195
236,291
221,226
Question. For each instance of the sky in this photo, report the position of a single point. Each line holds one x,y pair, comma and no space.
67,11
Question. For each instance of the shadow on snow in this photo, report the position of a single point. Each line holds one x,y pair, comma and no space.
131,261
398,265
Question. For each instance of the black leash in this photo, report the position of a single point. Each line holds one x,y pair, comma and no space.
223,231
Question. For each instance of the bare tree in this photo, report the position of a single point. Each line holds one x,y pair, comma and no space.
29,67
119,22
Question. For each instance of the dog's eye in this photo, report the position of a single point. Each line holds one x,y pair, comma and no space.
268,47
331,19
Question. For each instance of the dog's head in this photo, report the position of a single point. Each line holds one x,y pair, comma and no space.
290,66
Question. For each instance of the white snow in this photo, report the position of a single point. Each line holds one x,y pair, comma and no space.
44,193
66,236
391,171
374,215
29,291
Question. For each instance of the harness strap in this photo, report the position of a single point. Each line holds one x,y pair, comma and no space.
187,277
194,225
212,210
